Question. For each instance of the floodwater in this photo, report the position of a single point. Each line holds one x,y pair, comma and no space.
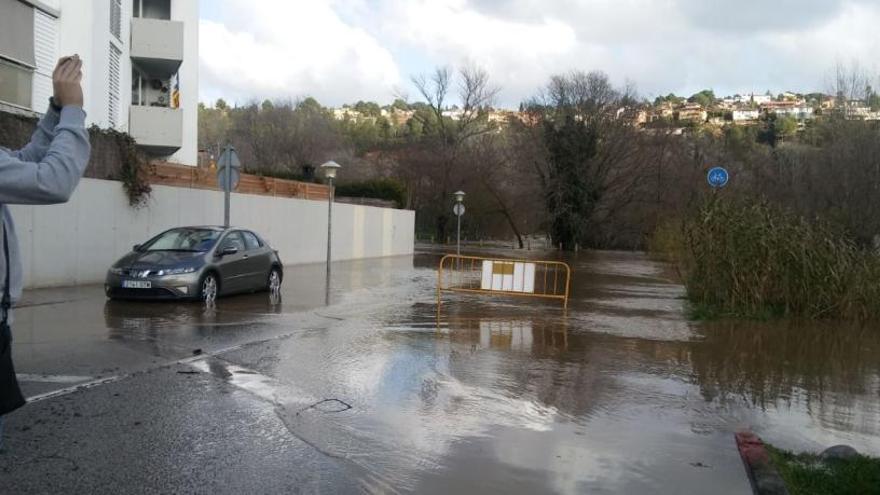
618,394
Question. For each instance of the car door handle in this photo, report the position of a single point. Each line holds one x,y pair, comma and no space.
244,257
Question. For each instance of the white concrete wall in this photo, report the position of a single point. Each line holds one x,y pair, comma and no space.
76,243
84,28
187,11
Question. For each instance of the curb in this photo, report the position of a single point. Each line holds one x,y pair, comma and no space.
765,479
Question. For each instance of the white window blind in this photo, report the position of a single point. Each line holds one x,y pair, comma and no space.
113,87
116,18
45,54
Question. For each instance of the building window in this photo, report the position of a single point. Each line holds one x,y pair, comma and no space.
113,113
17,32
152,9
116,18
16,53
16,83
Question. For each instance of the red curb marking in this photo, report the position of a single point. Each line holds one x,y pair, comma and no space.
751,448
764,478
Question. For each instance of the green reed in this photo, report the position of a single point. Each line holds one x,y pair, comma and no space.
752,259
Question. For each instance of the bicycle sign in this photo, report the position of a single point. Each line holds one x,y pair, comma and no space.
718,177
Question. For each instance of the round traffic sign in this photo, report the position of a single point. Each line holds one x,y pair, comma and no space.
229,158
717,177
234,176
458,209
228,162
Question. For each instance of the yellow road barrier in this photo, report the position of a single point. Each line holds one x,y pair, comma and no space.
503,277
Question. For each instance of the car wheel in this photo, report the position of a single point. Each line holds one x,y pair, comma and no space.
273,283
210,288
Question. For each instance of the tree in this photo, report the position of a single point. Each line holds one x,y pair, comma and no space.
670,98
399,104
872,99
444,138
705,98
784,127
588,151
368,108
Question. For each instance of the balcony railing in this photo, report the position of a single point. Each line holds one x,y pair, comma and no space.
158,130
157,46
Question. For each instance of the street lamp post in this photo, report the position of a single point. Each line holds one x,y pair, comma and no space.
459,211
330,168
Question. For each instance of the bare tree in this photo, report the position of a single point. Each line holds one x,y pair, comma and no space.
447,136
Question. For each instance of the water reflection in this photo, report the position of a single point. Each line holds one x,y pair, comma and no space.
825,371
507,334
166,325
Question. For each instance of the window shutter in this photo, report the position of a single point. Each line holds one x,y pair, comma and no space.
116,18
113,87
46,55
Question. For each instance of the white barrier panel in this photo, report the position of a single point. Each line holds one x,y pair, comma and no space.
508,276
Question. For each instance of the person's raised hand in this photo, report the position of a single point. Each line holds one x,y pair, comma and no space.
66,81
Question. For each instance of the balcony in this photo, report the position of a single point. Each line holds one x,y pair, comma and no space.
157,130
157,46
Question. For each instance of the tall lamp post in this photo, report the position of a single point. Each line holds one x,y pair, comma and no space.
330,168
458,209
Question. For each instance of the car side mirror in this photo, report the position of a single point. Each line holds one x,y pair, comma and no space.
228,250
136,248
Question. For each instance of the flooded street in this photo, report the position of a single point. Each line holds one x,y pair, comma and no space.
381,393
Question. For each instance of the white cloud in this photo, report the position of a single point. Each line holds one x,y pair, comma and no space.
347,50
517,54
291,49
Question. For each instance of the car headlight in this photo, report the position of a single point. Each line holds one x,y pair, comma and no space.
175,271
117,271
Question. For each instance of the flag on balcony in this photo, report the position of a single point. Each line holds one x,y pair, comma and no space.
175,92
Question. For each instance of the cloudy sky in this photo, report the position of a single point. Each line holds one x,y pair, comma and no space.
347,50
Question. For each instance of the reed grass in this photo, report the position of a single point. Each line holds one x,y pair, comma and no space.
751,259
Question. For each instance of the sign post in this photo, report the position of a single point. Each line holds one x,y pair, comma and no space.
458,210
228,175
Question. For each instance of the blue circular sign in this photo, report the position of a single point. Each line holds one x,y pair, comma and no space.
718,177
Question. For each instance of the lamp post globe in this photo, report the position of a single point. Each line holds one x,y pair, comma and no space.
330,168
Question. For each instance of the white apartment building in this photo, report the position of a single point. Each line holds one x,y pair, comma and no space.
800,113
753,98
140,61
745,115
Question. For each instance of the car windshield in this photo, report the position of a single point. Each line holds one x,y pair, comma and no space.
195,240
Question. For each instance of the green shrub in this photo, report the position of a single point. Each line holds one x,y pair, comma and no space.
755,260
386,188
806,474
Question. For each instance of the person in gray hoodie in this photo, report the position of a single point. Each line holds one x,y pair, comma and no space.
46,171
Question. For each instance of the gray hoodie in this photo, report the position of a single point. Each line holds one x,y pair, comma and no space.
44,172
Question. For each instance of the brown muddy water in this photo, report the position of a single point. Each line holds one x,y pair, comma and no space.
619,394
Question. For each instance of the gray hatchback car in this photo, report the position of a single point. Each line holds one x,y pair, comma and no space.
196,263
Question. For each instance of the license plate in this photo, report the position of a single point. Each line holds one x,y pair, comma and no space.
136,284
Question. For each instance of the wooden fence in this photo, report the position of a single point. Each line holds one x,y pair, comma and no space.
168,174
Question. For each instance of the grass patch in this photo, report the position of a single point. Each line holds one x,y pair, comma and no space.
805,474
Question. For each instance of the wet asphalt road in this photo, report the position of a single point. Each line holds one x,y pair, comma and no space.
376,394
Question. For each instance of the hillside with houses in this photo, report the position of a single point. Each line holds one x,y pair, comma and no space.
702,109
